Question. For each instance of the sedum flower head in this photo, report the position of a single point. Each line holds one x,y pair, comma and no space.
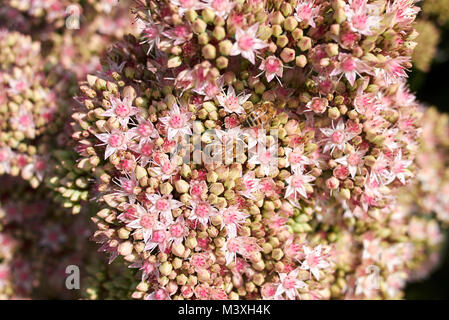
311,214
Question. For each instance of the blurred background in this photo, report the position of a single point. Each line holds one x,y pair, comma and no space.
429,80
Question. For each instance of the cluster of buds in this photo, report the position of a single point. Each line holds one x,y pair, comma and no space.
79,52
68,181
309,207
105,6
204,231
31,107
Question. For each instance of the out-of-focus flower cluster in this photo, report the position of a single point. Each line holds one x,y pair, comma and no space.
31,107
438,9
426,50
37,75
45,47
28,14
432,23
422,204
74,34
309,209
38,241
80,49
432,174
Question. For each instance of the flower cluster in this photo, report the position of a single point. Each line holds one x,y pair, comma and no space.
229,149
37,83
324,170
192,229
79,49
41,11
37,73
31,107
74,34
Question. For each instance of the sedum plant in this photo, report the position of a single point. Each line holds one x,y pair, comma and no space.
310,208
258,149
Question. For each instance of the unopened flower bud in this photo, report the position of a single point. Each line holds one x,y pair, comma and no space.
182,186
332,183
305,43
165,268
225,47
301,61
166,188
199,26
191,242
209,52
288,55
125,248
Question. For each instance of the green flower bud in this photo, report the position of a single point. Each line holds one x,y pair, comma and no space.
264,32
222,62
225,47
340,15
282,41
182,186
174,62
277,254
276,18
301,61
290,23
276,30
203,39
191,242
123,233
334,113
191,15
219,33
331,49
208,15
199,26
125,248
209,52
166,188
217,188
288,55
165,268
305,43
